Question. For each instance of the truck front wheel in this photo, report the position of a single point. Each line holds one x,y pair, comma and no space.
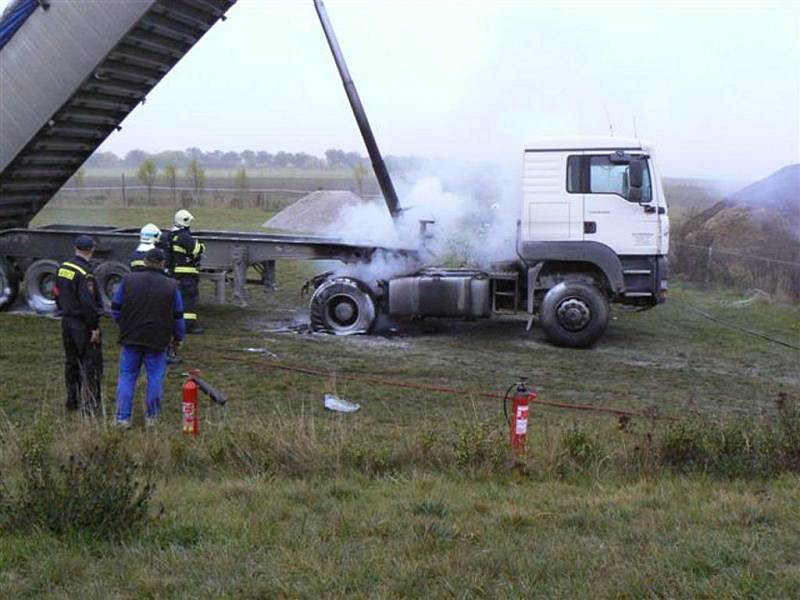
9,284
343,307
574,314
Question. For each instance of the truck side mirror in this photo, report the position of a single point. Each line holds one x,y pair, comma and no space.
636,173
636,180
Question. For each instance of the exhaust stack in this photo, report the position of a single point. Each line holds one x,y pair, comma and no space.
378,165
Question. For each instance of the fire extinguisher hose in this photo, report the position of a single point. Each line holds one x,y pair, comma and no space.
210,391
363,378
505,403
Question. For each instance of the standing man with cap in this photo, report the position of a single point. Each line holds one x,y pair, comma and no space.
184,253
148,307
80,306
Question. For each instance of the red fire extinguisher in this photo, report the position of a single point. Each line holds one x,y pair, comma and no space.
191,407
518,420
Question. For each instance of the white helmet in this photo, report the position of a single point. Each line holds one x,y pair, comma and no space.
183,218
149,234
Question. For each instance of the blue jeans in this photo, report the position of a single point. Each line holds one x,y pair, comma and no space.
130,363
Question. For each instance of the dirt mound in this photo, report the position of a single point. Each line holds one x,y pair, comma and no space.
326,212
779,191
752,237
759,210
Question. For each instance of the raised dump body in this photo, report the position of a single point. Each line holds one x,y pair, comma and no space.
70,72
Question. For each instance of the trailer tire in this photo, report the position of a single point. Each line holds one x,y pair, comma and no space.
40,282
108,275
574,314
342,306
9,284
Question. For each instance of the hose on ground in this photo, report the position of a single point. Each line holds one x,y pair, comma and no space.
618,412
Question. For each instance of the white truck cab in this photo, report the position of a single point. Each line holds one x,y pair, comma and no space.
579,189
593,210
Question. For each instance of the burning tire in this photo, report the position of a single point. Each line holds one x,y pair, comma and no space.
574,314
109,275
9,284
342,307
40,283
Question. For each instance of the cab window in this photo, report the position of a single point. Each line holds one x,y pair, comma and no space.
596,174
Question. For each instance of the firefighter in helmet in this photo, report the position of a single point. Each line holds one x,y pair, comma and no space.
79,303
149,237
184,253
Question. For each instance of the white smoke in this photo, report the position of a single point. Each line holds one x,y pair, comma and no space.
474,213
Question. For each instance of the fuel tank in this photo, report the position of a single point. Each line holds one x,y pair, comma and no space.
441,293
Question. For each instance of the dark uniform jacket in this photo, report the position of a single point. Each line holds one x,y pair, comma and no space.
147,306
77,295
184,252
136,260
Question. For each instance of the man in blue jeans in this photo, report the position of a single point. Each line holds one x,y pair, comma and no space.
148,308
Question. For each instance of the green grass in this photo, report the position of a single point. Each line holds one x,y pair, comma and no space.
266,173
411,496
205,218
259,537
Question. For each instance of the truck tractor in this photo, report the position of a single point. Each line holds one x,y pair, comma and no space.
593,229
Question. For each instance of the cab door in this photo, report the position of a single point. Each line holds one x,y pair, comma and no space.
610,215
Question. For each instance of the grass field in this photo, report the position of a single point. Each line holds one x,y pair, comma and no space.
413,495
272,173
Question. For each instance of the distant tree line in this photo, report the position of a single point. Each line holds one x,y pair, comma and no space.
215,159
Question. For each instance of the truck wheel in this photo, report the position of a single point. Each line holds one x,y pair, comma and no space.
574,314
108,275
40,284
342,307
9,284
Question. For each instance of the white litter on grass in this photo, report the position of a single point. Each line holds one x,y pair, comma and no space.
345,333
336,404
261,351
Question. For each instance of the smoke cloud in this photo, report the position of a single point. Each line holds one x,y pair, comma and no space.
470,214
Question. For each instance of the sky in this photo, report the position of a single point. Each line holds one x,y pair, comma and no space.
714,85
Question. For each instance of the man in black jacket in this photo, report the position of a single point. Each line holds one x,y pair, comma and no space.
80,306
148,307
185,253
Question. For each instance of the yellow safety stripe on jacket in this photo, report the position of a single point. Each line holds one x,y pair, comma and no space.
176,248
66,273
79,269
190,316
198,248
191,270
137,263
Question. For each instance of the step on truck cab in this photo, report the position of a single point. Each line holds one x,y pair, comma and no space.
593,229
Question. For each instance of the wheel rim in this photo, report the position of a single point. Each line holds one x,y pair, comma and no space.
573,314
343,311
47,287
111,285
